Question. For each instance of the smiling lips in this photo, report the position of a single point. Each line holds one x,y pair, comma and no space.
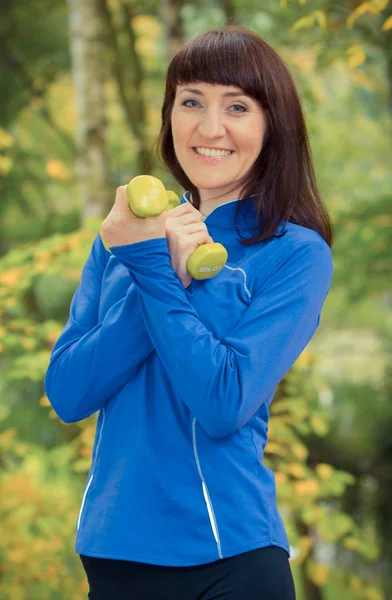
212,154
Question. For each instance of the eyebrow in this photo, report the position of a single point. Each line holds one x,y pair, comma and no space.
199,93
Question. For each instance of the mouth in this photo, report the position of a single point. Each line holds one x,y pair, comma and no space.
212,159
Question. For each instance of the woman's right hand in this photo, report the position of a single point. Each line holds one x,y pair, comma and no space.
185,231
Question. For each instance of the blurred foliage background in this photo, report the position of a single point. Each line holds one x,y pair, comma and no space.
81,91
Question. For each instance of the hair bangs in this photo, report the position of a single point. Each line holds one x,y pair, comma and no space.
217,59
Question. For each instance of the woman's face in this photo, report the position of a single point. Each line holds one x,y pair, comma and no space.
206,116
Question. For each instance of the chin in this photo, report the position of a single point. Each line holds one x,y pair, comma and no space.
206,184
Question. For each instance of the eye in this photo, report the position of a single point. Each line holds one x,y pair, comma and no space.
186,101
244,109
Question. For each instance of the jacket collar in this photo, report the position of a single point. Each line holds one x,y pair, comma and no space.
222,216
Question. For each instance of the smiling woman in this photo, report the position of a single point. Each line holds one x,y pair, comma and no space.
178,503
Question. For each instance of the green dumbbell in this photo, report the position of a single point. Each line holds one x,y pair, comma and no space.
147,197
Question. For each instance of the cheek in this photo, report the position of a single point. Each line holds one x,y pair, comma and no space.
253,143
181,127
178,134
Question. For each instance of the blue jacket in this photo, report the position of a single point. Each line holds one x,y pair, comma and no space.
183,379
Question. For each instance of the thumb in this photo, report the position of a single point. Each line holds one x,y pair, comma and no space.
122,198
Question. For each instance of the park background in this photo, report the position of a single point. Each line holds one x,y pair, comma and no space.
81,86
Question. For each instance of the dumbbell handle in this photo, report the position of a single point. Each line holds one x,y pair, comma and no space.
148,197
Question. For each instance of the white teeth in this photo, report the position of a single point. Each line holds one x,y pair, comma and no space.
217,153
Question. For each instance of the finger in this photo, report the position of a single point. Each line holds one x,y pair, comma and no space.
121,197
183,231
189,229
183,220
197,238
122,202
184,208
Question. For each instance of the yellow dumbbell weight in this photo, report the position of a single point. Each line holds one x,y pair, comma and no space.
148,197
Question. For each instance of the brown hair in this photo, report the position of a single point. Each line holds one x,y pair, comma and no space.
282,178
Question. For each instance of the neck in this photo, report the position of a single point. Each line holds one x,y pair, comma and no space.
207,206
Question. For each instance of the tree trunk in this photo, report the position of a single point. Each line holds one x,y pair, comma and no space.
229,10
170,14
92,165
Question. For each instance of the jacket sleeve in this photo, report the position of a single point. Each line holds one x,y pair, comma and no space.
224,382
92,360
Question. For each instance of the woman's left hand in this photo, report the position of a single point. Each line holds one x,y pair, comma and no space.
122,227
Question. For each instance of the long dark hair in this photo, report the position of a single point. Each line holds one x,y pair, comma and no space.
282,178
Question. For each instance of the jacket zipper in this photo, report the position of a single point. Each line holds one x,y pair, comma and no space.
206,494
92,470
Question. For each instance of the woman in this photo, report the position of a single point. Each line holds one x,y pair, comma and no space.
178,503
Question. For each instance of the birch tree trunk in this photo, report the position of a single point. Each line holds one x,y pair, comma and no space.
170,14
92,165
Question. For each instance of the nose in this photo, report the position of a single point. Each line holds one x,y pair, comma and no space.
211,124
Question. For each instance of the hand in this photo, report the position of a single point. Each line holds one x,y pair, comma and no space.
185,231
122,227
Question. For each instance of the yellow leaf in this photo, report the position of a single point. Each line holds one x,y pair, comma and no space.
147,25
299,451
305,358
360,10
39,545
28,343
313,514
360,79
324,470
44,401
6,438
51,571
84,586
305,61
304,545
6,140
57,170
280,477
6,165
321,18
319,574
297,470
357,58
11,277
319,425
309,487
387,24
351,543
379,5
355,583
372,593
52,414
374,7
303,23
274,448
309,20
383,220
10,302
17,555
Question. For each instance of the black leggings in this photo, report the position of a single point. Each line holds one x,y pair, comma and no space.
261,574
